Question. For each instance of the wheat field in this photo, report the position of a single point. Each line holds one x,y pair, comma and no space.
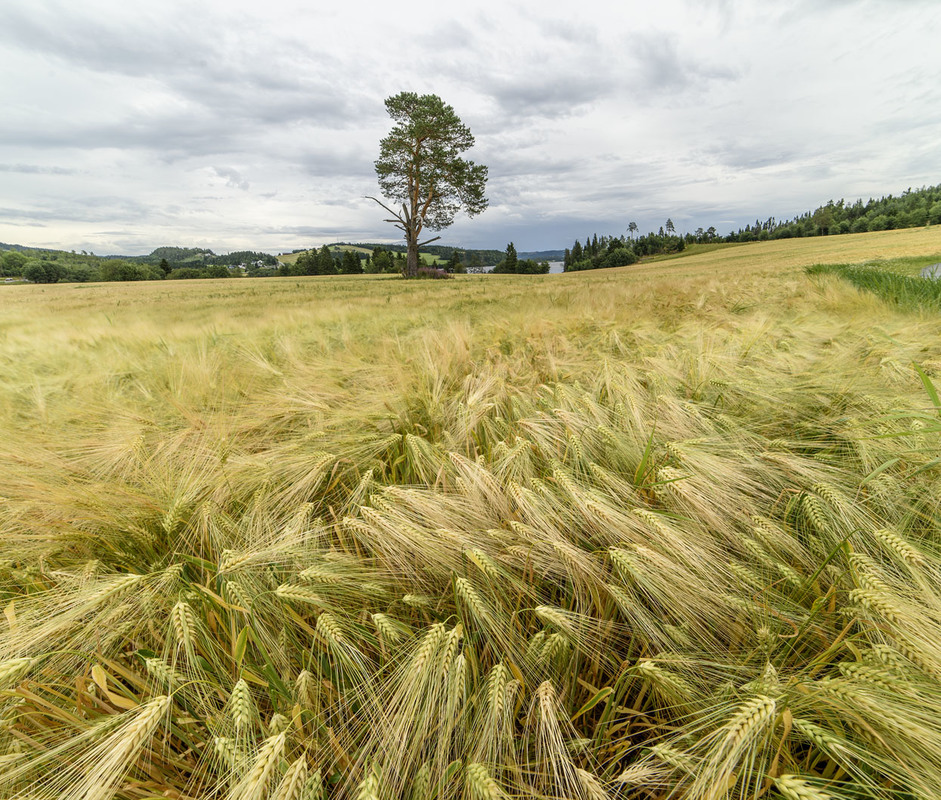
667,531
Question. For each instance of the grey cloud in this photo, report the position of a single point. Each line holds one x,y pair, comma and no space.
567,32
335,162
548,96
233,178
87,209
311,231
451,35
746,155
240,95
923,119
237,80
616,192
34,169
97,45
353,201
172,136
663,69
503,165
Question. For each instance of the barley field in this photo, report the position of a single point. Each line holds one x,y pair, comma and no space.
666,531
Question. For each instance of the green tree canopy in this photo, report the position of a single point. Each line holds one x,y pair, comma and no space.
12,263
350,263
325,265
420,166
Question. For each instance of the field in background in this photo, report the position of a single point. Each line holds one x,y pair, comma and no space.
670,530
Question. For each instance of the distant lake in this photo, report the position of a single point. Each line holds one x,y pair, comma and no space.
933,272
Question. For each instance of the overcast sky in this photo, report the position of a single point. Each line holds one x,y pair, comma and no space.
127,125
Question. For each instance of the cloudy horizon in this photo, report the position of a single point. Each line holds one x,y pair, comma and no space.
239,126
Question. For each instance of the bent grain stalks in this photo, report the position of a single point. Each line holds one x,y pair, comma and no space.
639,545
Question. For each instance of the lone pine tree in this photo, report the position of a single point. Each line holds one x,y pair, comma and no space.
420,166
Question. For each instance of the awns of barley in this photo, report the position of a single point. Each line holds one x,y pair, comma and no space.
505,499
368,788
484,563
389,628
185,627
731,744
552,731
254,785
876,602
123,747
668,684
901,549
331,632
163,673
12,670
557,618
300,594
313,787
242,706
97,773
292,784
793,787
481,785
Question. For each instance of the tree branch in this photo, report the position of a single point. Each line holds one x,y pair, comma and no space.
427,204
370,197
428,241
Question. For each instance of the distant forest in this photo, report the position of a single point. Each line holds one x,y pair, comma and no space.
174,263
61,266
913,208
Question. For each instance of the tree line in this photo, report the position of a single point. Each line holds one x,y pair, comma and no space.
59,266
382,259
511,263
911,209
176,263
621,251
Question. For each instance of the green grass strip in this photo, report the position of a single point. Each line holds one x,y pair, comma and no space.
905,290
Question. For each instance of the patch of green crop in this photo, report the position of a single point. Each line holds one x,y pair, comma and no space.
896,280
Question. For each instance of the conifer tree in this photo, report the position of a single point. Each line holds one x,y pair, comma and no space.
325,265
420,166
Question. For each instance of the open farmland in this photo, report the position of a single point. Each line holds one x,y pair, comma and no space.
666,531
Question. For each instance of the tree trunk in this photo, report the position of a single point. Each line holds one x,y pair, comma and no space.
411,259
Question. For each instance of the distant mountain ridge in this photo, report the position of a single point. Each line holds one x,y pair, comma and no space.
543,255
22,248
